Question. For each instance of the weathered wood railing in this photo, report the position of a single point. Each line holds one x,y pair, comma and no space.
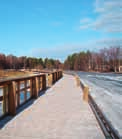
15,92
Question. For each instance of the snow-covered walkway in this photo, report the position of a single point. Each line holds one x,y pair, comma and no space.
59,114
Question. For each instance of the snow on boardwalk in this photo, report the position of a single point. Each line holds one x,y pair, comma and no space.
58,114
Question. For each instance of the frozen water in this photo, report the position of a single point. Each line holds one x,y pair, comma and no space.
106,89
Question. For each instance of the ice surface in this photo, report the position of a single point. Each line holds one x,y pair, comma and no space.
106,89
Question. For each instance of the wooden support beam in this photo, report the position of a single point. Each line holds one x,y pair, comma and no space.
35,87
41,82
4,99
44,82
86,93
56,76
12,98
31,87
53,77
25,91
18,93
50,79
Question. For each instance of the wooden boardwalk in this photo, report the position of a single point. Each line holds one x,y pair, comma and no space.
58,114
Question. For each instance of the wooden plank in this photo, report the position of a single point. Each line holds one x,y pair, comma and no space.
25,91
44,82
35,94
4,99
41,78
31,87
37,86
8,81
12,98
18,94
86,93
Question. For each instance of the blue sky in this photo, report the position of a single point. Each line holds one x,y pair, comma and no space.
56,28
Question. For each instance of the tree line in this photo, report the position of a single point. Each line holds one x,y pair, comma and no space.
23,62
107,59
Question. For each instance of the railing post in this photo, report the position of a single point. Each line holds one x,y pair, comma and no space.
77,80
25,91
86,93
44,82
18,94
5,105
33,85
31,88
12,98
41,82
59,74
52,78
55,76
36,86
48,80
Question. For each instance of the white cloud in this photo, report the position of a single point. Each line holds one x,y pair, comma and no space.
102,6
60,51
85,23
86,26
109,17
98,6
109,42
85,20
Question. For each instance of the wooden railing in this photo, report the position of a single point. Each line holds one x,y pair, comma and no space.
15,92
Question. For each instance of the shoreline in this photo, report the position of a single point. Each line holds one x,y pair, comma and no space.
96,72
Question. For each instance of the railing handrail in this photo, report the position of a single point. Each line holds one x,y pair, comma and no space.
25,77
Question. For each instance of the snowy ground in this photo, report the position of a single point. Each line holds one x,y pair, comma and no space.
59,114
106,89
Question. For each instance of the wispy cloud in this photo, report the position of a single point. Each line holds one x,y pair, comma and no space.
85,20
109,42
59,51
109,17
86,23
